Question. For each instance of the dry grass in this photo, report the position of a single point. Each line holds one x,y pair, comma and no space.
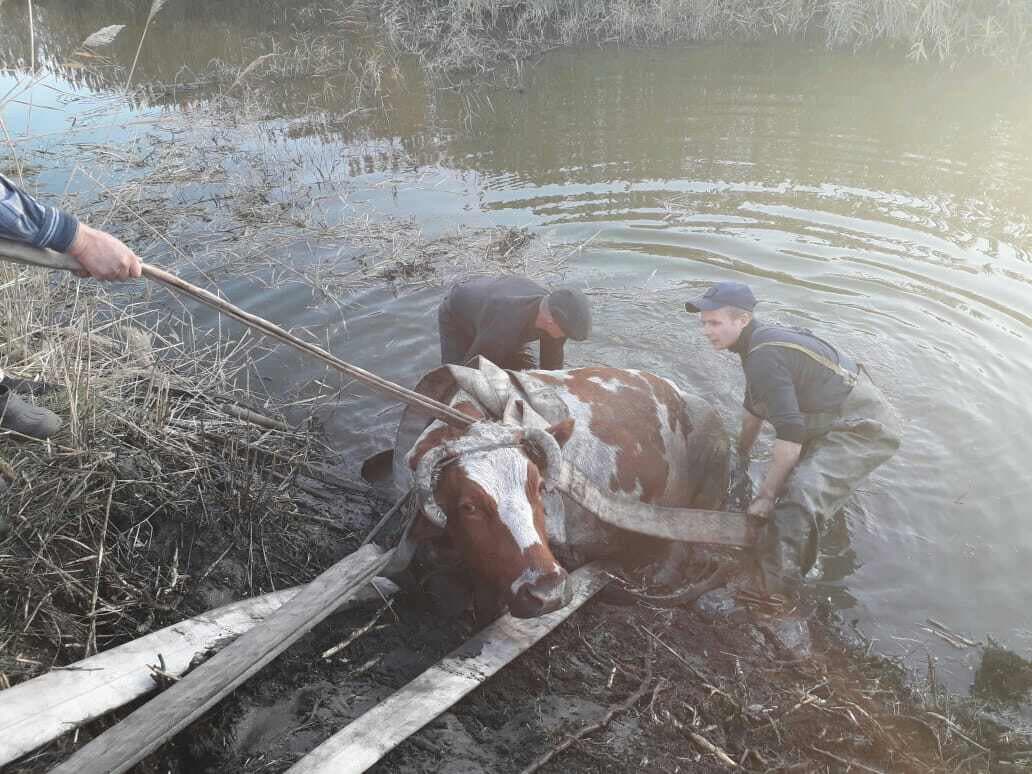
480,35
107,528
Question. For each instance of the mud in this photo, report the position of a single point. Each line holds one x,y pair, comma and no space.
766,689
771,692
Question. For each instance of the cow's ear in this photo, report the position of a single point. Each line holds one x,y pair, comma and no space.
562,431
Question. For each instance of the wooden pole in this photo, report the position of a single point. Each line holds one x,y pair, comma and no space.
685,524
35,256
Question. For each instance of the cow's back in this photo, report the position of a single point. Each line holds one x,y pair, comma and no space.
638,436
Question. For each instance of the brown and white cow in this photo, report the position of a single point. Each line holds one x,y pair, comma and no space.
634,434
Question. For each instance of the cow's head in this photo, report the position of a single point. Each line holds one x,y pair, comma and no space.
485,489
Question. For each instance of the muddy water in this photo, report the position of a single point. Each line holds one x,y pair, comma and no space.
886,206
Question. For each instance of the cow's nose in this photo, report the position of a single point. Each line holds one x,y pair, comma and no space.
544,595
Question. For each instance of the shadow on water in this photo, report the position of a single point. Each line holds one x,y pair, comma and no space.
885,205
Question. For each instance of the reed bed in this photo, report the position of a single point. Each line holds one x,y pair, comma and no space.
478,36
168,490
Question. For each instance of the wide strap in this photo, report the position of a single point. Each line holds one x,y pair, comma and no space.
690,525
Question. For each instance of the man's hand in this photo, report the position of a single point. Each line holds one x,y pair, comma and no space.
103,256
761,507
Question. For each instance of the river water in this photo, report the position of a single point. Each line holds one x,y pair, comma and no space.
885,205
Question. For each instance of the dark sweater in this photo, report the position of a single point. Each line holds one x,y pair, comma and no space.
497,315
781,385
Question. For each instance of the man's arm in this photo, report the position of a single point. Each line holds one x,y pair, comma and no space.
103,256
770,383
24,219
785,456
751,425
551,353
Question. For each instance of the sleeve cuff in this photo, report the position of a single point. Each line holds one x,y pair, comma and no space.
59,230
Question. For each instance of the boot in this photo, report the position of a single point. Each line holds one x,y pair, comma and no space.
24,418
788,549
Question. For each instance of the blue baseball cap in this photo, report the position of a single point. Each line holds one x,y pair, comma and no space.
723,294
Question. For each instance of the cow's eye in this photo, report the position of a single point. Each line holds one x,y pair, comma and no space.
468,508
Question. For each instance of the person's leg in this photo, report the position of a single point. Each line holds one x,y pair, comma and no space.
831,468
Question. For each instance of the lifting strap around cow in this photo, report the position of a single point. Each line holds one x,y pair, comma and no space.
531,400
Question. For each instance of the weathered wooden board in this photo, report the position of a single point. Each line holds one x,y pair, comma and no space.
370,737
40,710
118,748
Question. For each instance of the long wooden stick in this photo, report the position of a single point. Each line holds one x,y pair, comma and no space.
684,524
123,745
35,256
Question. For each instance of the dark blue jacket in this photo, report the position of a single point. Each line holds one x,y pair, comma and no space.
24,219
782,385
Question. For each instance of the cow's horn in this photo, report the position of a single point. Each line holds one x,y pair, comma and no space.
426,480
549,447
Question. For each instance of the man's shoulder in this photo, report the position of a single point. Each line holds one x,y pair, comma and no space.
500,285
768,332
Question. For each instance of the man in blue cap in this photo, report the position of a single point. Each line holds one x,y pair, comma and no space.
833,426
497,317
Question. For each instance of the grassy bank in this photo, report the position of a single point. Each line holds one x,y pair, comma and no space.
480,34
167,491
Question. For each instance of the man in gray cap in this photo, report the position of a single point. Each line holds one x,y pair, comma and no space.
833,426
497,317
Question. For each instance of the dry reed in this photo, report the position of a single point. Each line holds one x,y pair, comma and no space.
108,526
476,36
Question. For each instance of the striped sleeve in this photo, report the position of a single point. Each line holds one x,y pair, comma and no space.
24,219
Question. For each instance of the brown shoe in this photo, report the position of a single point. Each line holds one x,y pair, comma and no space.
24,418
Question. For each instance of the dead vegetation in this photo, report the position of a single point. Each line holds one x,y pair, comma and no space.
163,470
483,35
703,692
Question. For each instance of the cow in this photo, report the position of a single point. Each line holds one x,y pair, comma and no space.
490,488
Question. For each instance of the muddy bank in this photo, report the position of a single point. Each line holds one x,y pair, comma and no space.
711,688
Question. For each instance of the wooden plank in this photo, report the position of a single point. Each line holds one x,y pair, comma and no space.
38,711
171,711
370,737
